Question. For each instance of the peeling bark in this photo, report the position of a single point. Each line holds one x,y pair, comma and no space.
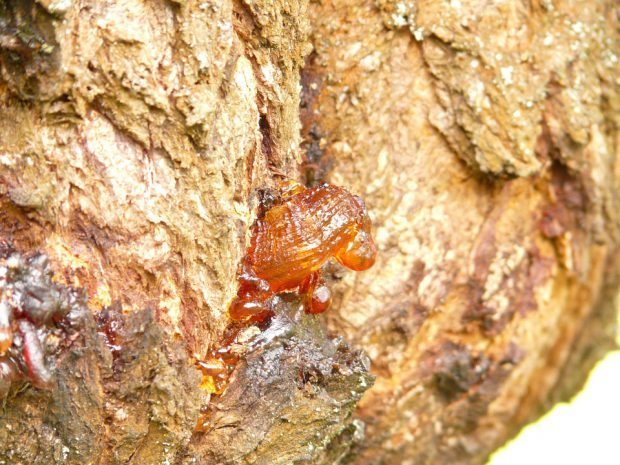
135,137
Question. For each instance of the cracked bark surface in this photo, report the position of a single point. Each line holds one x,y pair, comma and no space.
484,138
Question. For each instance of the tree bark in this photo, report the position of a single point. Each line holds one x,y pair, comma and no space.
135,138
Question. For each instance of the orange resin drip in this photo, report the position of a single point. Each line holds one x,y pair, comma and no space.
302,230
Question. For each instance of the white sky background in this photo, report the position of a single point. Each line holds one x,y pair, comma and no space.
585,431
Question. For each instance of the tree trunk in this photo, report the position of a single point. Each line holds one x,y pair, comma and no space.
134,140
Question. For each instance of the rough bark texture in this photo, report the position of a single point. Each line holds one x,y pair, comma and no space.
484,137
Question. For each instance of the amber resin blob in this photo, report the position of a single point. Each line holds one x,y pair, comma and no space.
294,239
298,231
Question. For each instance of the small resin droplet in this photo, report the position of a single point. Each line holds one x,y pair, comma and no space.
212,366
6,340
6,334
251,311
321,298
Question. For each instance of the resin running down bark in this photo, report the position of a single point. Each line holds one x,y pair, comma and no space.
298,231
